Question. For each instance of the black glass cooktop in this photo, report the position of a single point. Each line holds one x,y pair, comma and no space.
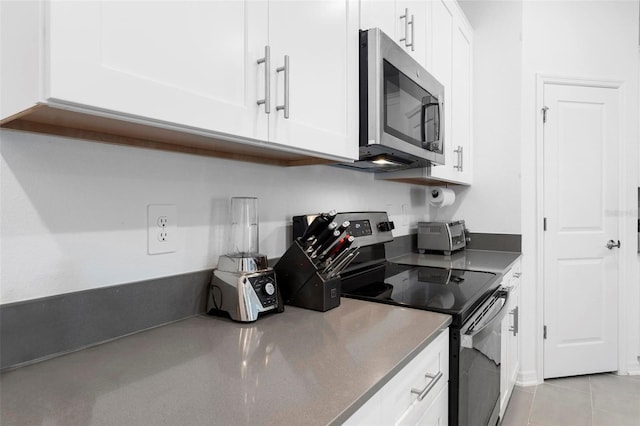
455,292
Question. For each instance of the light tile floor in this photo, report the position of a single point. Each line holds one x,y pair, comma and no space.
596,400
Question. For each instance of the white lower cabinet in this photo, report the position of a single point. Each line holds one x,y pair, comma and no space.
510,344
438,413
417,395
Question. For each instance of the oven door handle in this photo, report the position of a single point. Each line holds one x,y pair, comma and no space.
485,319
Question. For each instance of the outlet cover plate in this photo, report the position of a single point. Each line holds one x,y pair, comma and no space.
162,228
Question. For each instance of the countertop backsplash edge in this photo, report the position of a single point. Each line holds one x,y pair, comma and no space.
39,329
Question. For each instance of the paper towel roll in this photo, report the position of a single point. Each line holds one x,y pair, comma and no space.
442,197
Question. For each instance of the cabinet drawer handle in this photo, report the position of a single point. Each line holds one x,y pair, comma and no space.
515,327
286,71
267,87
423,392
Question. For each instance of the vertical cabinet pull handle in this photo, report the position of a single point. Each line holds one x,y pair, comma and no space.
406,27
413,34
267,86
459,154
286,71
423,392
514,328
408,22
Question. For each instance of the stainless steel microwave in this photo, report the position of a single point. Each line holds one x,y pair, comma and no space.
401,108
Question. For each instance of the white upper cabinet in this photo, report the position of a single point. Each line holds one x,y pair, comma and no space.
320,40
405,21
449,58
453,66
200,67
189,63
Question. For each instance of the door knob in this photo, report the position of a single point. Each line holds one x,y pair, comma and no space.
611,244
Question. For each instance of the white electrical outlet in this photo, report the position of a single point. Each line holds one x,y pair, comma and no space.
162,228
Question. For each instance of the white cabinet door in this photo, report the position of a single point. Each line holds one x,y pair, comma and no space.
413,28
514,337
460,100
379,14
442,25
397,401
510,338
438,412
320,38
405,21
190,63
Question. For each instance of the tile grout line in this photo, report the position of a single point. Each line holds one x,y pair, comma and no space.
591,400
533,401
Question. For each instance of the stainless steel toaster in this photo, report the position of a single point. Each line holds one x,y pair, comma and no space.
441,237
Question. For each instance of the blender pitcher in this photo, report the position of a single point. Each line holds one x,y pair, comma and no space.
243,285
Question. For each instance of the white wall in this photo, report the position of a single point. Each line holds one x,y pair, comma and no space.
74,213
492,203
597,40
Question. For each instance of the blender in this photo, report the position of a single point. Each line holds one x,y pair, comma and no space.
243,285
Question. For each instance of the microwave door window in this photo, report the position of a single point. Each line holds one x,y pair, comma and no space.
403,106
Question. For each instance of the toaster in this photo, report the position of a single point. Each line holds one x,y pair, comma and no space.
441,237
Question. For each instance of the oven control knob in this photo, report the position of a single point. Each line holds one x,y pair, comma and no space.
386,226
269,288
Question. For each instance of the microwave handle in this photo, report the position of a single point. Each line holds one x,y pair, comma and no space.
423,116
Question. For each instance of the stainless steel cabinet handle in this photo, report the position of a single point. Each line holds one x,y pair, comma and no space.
423,392
515,327
413,35
461,158
611,244
406,27
459,153
286,71
267,86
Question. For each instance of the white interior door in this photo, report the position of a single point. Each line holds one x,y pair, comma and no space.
581,142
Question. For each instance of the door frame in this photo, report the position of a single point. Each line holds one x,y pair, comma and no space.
541,81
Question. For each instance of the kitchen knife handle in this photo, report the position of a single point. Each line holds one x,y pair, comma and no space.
267,86
327,243
340,247
314,227
322,237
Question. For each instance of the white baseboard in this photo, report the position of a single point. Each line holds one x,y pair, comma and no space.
528,378
633,369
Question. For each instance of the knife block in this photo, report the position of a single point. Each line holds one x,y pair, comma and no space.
302,285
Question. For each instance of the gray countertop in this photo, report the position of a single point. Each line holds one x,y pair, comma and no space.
298,367
476,260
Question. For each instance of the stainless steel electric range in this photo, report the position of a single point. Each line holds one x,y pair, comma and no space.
474,300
